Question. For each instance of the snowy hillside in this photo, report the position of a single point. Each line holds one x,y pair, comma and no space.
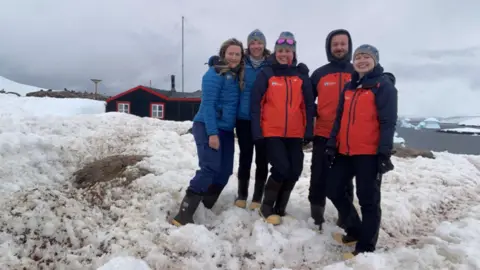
43,107
21,89
473,122
431,208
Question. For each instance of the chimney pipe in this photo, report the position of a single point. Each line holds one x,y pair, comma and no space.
172,78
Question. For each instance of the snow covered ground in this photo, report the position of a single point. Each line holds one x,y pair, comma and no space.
46,106
474,122
461,130
431,211
21,89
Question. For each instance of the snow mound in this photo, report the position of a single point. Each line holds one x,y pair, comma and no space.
472,131
125,263
406,124
15,107
21,89
47,223
474,122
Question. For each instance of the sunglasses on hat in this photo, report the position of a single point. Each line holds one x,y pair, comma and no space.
282,41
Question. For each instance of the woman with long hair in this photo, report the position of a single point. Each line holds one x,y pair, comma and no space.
213,127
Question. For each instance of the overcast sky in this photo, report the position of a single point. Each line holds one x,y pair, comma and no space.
432,46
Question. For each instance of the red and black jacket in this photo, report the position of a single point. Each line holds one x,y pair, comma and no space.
366,115
328,82
282,103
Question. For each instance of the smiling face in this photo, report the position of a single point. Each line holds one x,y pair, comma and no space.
339,46
256,49
284,56
363,63
233,55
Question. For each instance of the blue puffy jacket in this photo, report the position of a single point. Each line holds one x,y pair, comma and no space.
249,79
218,108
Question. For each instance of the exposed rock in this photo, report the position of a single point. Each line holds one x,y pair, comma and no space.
66,94
407,152
5,92
103,175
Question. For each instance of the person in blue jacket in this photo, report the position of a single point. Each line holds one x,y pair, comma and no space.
213,127
255,59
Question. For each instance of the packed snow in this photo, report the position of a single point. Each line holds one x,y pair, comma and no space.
474,122
431,212
19,88
461,130
46,106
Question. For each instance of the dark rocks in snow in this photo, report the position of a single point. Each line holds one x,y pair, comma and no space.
66,94
101,176
5,92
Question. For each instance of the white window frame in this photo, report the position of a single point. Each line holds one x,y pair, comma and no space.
157,110
123,107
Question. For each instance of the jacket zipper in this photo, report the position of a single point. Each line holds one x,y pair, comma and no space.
355,106
291,93
286,107
348,123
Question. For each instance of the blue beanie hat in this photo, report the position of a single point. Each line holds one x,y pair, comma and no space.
370,50
256,35
286,35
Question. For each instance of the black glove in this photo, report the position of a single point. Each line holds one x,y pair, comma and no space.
384,164
330,154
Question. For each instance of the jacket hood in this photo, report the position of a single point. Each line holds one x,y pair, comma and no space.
390,76
328,42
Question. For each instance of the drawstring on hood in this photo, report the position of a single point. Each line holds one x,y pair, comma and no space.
328,46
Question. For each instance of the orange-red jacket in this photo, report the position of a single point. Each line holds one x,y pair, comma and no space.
282,102
328,82
366,115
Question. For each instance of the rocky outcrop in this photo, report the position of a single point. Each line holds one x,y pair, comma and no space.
66,94
101,176
5,92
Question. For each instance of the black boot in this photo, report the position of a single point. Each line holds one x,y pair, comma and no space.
211,197
283,197
257,193
317,212
272,188
188,206
241,200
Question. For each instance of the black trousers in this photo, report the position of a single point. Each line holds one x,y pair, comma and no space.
286,157
319,174
368,183
247,146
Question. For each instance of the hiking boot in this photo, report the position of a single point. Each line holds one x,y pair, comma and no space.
211,196
283,197
345,239
266,209
241,200
317,212
188,206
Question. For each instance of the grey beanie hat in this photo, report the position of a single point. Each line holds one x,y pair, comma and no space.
256,35
284,36
370,50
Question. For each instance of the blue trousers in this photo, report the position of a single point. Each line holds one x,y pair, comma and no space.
216,166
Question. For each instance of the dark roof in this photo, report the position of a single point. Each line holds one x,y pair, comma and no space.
176,94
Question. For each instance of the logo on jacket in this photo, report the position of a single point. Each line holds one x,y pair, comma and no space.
276,84
329,83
